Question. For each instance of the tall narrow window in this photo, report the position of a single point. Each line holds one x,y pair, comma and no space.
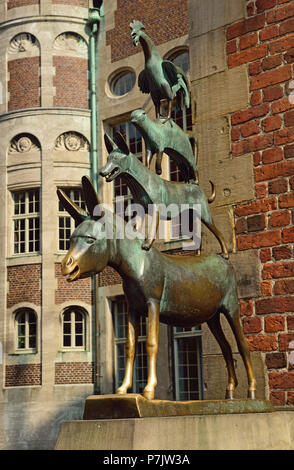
74,329
188,363
121,193
26,324
66,224
119,310
26,221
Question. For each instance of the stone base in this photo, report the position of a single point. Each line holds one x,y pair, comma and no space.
249,431
133,405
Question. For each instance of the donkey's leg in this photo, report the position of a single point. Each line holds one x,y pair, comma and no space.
131,344
235,323
152,347
216,330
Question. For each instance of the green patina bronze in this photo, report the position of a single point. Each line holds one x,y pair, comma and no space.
147,188
163,136
161,78
178,290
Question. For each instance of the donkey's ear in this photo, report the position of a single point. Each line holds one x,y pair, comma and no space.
121,143
78,214
110,145
91,197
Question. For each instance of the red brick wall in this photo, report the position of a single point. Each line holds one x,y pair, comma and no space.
24,284
24,83
264,41
109,277
164,20
71,82
74,372
21,3
66,291
22,374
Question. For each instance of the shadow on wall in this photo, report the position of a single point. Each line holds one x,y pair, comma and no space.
32,425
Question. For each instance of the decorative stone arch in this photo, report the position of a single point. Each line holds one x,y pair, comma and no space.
70,43
72,141
24,143
23,45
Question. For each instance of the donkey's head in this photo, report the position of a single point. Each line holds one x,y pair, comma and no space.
88,253
119,159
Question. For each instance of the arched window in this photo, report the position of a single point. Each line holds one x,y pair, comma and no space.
26,328
181,59
74,328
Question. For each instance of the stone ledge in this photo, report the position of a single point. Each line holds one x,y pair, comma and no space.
249,431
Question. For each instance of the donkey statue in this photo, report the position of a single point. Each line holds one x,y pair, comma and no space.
148,188
177,290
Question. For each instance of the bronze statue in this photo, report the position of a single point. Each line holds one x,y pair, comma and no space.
176,290
147,188
163,136
161,78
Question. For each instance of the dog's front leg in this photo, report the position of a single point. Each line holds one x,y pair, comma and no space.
153,229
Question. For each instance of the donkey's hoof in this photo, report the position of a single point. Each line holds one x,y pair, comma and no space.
251,394
229,395
148,394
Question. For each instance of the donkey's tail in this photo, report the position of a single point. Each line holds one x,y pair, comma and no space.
212,197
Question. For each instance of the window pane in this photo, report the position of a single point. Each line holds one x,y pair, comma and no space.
188,368
66,340
123,84
79,340
32,342
182,60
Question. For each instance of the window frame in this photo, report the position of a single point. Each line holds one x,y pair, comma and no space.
26,349
194,332
119,75
64,215
26,216
73,310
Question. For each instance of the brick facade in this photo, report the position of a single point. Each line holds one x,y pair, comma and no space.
24,83
78,290
21,3
71,82
23,374
24,284
74,372
264,41
163,24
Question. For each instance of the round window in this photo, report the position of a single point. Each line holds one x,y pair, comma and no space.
123,83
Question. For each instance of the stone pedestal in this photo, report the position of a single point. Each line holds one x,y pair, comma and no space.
129,422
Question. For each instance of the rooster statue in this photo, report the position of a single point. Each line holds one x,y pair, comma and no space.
161,78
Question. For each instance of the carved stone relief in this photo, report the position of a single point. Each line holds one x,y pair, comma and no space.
23,143
24,43
72,141
71,43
